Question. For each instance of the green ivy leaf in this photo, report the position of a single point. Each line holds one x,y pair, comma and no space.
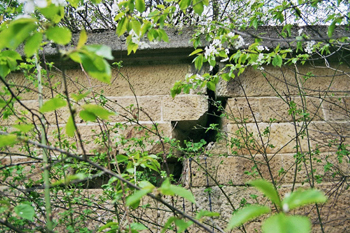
7,140
246,214
25,211
277,61
281,223
98,111
268,190
303,197
140,5
70,127
52,105
33,44
59,35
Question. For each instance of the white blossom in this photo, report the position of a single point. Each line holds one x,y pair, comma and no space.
285,207
29,5
239,42
309,46
217,43
230,34
59,2
115,6
144,45
210,51
225,59
260,48
300,31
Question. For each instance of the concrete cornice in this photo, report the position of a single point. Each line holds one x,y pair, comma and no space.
179,46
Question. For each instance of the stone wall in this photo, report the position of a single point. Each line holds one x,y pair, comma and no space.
260,135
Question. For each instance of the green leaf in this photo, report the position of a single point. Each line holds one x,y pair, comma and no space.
184,4
136,197
87,116
246,214
182,225
33,44
8,140
198,62
281,223
112,225
3,103
82,39
122,25
25,211
4,70
52,105
182,192
268,190
303,197
198,7
53,13
136,26
168,224
100,50
163,35
206,213
78,97
70,127
277,61
226,77
135,226
59,35
69,179
16,32
98,111
24,128
94,65
195,52
211,85
140,5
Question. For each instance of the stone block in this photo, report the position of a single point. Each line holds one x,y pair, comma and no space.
241,110
140,108
135,80
252,83
336,108
328,136
263,138
281,110
325,168
184,107
231,170
25,169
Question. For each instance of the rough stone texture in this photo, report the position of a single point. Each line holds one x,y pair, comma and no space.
270,138
336,108
184,108
284,82
238,110
230,170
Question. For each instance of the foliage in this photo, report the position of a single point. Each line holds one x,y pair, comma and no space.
226,41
